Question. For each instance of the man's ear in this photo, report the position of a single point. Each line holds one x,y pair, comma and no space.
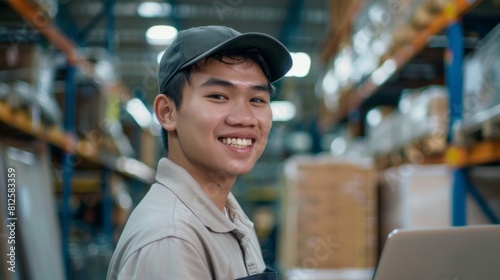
165,111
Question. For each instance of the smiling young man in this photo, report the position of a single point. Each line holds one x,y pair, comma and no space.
214,107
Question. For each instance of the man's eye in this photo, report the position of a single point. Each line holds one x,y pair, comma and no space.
257,100
218,96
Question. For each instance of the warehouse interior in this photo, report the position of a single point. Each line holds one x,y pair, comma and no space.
389,119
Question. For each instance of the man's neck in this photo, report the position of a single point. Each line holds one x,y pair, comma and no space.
217,192
216,185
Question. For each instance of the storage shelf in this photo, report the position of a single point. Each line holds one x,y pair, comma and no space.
38,20
82,186
31,13
386,161
405,53
480,153
484,152
22,122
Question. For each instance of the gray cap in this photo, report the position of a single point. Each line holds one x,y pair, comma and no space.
194,44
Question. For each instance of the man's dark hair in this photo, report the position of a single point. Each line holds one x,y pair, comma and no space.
174,88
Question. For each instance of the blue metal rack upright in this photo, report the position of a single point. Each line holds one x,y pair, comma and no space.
454,80
69,126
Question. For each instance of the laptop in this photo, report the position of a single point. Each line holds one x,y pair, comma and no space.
455,253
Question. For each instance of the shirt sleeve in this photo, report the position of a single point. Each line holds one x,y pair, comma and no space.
169,258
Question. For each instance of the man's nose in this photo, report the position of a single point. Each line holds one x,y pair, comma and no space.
241,114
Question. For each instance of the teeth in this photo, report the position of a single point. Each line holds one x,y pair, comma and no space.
237,142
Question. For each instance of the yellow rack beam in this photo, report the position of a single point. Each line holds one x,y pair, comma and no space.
480,153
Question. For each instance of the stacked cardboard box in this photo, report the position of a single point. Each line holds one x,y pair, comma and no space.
416,196
329,214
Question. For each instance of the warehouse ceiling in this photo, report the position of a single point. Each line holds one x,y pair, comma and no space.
303,26
300,25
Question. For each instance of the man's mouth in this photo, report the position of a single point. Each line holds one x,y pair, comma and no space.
237,142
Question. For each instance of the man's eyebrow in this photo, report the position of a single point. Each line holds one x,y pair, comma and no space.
265,88
218,82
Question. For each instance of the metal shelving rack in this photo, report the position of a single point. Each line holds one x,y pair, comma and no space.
66,138
459,158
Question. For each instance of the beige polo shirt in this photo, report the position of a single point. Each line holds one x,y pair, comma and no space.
176,232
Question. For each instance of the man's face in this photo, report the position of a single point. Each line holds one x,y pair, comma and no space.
224,120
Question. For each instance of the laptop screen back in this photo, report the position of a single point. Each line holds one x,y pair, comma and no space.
455,253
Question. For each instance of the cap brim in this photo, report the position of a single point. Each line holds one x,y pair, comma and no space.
274,53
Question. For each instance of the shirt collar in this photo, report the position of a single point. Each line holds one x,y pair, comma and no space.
185,187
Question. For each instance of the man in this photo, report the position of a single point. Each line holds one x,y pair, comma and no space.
214,107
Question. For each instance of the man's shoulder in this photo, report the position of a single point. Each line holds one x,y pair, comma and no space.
160,214
159,217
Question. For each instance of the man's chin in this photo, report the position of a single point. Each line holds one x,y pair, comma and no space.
236,170
243,173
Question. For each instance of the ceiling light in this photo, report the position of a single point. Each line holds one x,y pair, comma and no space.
283,110
301,65
154,9
161,34
139,111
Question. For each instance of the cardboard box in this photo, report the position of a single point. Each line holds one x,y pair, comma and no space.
419,196
329,213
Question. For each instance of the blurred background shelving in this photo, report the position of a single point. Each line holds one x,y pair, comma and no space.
390,120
